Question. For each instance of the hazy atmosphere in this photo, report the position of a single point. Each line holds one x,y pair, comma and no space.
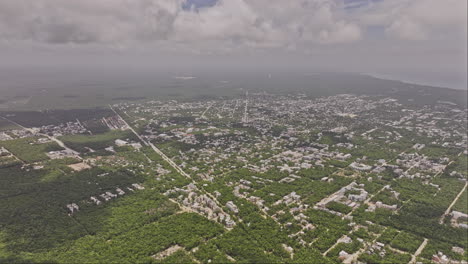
421,41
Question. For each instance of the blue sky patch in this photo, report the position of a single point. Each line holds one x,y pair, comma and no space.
353,4
197,4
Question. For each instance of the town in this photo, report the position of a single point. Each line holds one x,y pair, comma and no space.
338,179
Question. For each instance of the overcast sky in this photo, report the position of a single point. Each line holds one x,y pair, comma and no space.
415,40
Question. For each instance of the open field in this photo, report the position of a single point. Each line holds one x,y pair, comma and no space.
28,149
95,142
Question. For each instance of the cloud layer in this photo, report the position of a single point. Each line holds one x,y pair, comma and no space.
239,23
423,37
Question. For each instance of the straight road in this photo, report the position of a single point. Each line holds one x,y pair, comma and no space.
59,142
418,251
166,158
441,221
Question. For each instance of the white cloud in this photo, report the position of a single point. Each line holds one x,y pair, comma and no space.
229,23
259,23
402,35
417,19
406,28
87,21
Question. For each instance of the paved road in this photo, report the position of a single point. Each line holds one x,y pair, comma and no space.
418,251
59,142
166,158
441,221
353,257
204,112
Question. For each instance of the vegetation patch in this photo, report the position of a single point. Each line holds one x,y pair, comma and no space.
29,149
81,143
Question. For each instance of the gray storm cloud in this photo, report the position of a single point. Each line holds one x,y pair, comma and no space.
85,21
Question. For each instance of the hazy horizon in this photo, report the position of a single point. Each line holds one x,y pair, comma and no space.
419,41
